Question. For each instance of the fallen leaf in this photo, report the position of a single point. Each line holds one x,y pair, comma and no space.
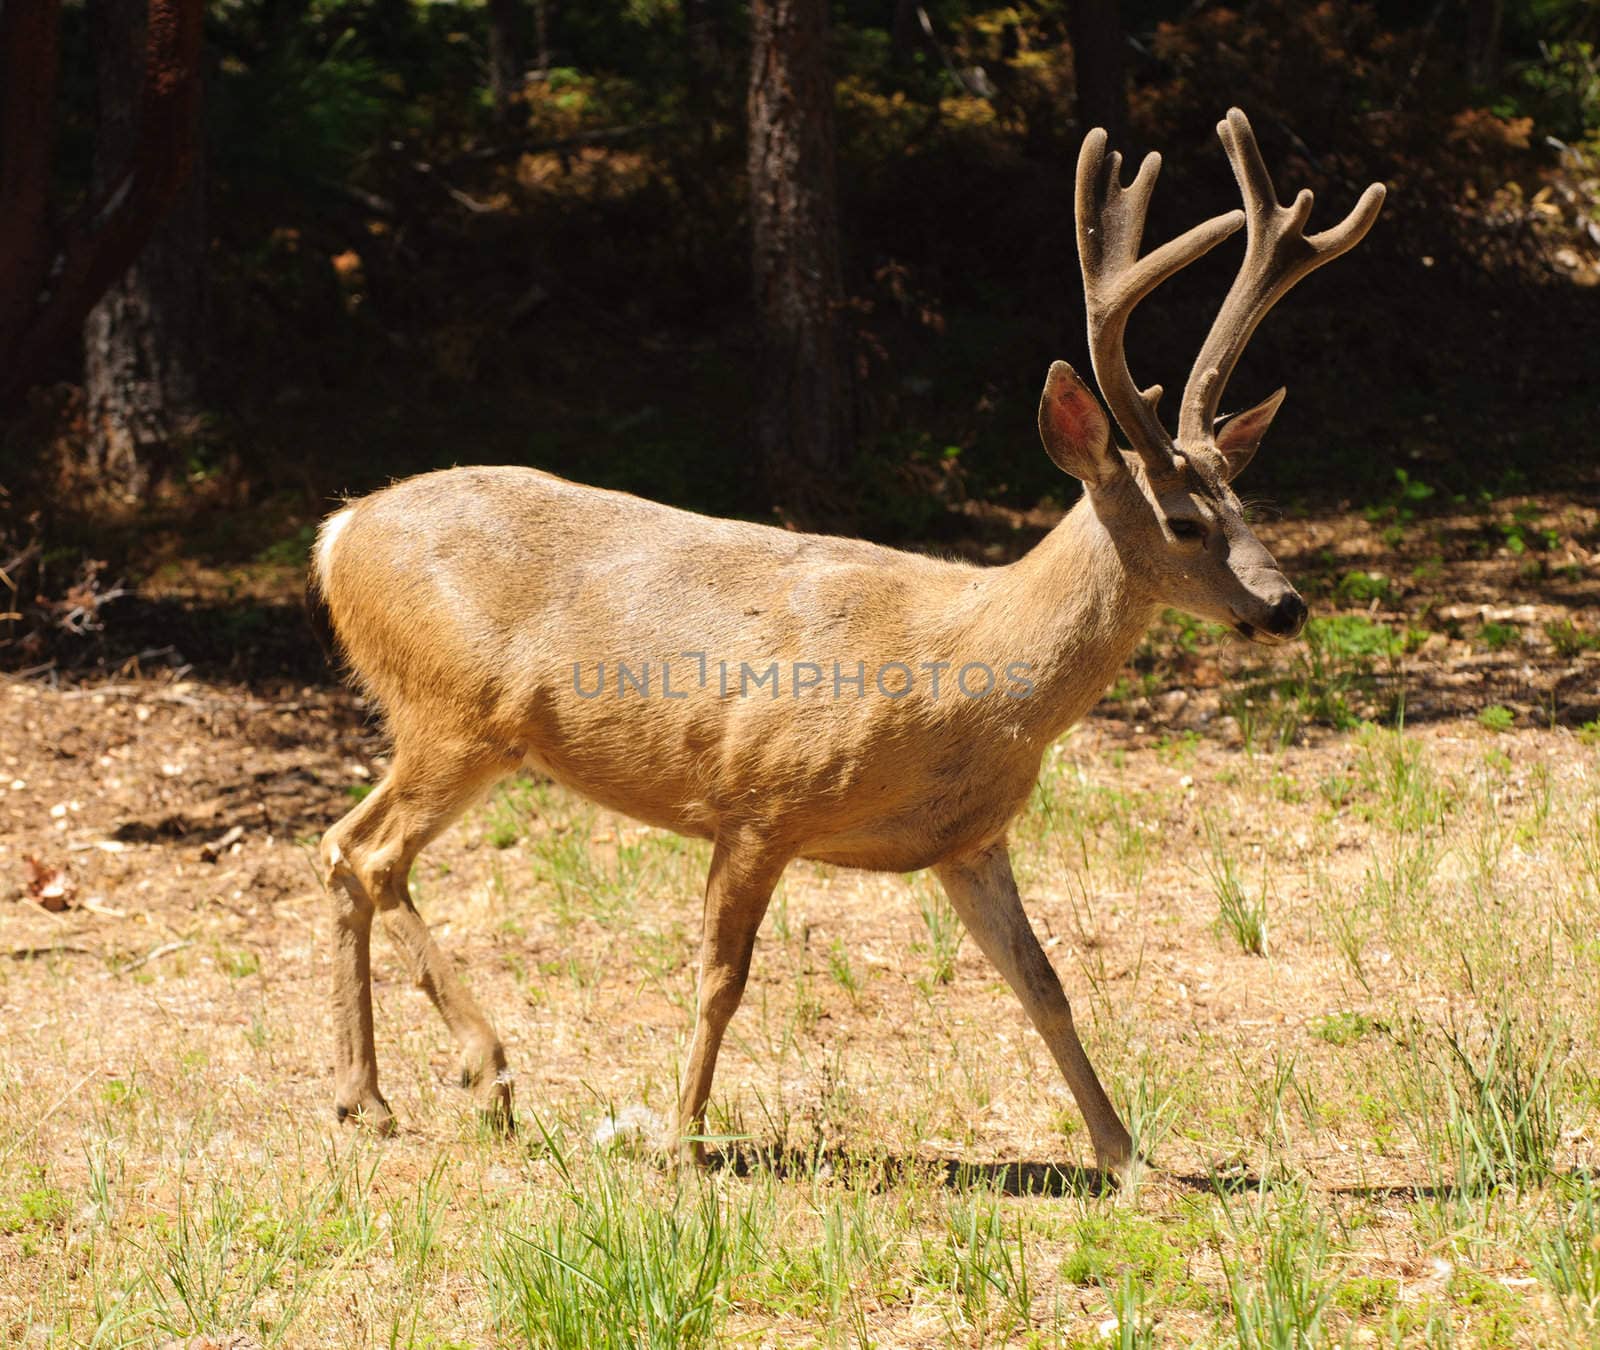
49,887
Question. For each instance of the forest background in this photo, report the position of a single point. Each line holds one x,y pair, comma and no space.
386,236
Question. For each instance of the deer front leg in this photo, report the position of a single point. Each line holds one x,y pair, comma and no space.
984,893
743,872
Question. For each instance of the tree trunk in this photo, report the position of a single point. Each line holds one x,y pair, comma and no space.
144,342
1097,67
505,59
803,418
703,52
541,34
52,267
703,35
1485,18
905,33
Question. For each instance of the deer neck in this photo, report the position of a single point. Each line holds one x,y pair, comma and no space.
1072,611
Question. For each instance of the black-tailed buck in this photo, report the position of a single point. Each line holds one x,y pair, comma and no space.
797,696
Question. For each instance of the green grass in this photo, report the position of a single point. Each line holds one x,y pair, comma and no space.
606,1268
1346,670
1381,1135
1496,717
1498,636
1242,915
945,932
1342,1028
1567,1256
29,1203
1569,640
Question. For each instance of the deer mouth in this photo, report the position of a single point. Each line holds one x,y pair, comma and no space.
1260,636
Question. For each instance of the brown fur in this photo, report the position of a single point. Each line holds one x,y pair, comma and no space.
464,601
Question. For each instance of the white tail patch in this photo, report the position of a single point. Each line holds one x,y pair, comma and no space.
326,537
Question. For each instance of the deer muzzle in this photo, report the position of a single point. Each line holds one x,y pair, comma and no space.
1278,620
1287,616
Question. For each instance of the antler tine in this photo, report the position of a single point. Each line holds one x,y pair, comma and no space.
1277,254
1111,220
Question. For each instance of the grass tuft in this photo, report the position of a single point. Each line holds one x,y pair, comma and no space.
1244,917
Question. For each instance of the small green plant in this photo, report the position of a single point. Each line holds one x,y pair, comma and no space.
843,973
945,933
1179,749
1282,1301
1135,1329
987,1257
1336,789
1245,918
1504,1104
1523,532
33,1203
1568,1259
1365,588
1497,717
1400,507
602,1271
1349,921
1129,1244
1498,636
1341,1028
1569,640
507,817
117,1091
1333,680
1405,792
1367,1293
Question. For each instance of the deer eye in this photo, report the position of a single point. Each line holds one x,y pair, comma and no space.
1190,531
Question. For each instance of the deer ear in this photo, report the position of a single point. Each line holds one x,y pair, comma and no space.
1074,428
1238,437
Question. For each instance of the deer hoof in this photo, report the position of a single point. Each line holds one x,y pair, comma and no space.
692,1153
494,1110
487,1077
1127,1173
371,1113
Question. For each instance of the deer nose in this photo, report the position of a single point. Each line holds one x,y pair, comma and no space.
1288,616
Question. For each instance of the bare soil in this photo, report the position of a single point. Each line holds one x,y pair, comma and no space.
162,922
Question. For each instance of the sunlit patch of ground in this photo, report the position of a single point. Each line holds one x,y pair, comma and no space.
1330,919
1343,990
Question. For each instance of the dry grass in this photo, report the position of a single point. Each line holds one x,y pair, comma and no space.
1382,1128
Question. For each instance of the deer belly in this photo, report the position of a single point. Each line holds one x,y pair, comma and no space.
922,835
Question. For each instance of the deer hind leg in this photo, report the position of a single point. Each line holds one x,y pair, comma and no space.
984,893
369,855
744,869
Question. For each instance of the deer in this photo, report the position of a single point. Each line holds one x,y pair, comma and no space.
481,607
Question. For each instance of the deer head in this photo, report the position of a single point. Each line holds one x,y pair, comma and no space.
1168,505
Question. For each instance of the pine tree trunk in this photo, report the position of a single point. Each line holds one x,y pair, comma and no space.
1097,67
803,420
505,59
703,36
905,33
1485,19
144,342
703,52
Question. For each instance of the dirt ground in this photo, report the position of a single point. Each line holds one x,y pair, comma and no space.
164,955
176,826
